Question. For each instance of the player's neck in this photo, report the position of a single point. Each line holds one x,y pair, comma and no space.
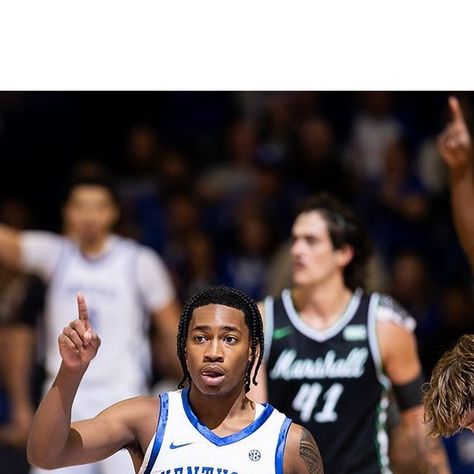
322,304
94,247
215,412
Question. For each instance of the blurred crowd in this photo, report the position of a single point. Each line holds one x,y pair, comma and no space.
212,181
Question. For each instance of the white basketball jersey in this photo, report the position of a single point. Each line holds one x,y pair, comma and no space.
182,445
117,314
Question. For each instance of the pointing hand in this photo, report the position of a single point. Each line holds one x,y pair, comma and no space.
78,343
454,143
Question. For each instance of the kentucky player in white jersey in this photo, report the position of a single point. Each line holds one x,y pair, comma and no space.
208,427
124,282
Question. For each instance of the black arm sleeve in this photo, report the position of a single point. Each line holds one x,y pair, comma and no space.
410,394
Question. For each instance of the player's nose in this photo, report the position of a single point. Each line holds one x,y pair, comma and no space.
214,351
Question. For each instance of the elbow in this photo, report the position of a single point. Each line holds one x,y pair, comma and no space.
37,457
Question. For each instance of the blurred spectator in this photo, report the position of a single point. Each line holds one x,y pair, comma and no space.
21,302
431,169
276,193
236,174
246,265
414,289
181,219
457,308
396,205
138,177
320,167
277,123
200,266
145,213
374,129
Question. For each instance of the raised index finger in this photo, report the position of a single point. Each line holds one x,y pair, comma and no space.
456,111
82,310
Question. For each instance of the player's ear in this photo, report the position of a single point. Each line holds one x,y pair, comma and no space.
344,255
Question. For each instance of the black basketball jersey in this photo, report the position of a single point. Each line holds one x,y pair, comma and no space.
331,382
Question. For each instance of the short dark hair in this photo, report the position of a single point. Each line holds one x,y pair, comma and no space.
232,298
345,228
100,179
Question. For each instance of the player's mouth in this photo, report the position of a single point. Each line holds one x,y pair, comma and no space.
298,266
212,375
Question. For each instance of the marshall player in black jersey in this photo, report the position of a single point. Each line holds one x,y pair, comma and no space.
333,352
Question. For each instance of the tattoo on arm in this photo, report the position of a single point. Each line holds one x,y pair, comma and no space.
310,454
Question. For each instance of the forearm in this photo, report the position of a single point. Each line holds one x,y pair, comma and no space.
428,454
51,425
462,200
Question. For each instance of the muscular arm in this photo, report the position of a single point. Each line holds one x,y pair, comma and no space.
401,364
302,455
10,250
455,146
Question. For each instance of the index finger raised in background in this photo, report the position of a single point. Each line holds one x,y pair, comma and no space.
82,310
456,111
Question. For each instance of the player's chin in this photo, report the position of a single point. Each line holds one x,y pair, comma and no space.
214,388
301,278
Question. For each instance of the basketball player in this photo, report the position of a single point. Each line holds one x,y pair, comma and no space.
124,282
333,351
449,397
455,146
209,427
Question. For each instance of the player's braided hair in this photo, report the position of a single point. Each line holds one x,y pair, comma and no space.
235,299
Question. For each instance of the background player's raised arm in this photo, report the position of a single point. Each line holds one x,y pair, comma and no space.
455,145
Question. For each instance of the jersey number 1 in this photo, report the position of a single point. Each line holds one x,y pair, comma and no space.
307,398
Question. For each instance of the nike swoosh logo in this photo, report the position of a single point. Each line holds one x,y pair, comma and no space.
175,446
280,333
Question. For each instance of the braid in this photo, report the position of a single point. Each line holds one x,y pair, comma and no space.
235,299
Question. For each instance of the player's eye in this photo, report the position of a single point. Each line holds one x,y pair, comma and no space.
230,339
199,339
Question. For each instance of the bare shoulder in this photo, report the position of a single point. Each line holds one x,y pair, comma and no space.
394,337
302,454
390,329
399,352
